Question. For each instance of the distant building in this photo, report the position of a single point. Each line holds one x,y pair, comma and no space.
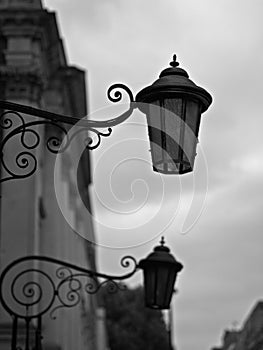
250,337
34,71
230,339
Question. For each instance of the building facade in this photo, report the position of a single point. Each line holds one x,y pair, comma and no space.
250,336
34,71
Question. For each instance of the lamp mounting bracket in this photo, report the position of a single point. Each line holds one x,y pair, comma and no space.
20,122
35,285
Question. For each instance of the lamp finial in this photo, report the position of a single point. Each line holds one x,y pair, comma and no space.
162,242
174,63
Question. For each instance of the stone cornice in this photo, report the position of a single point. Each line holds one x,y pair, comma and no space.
34,74
28,5
21,16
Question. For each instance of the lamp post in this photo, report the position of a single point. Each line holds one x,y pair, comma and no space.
173,106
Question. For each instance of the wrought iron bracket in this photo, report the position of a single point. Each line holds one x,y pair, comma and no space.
15,125
32,286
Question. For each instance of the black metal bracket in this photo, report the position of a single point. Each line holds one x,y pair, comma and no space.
14,124
36,285
22,289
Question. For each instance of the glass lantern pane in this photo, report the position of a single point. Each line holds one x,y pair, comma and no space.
170,287
165,284
154,128
161,285
172,121
159,282
149,286
164,121
173,124
192,115
192,120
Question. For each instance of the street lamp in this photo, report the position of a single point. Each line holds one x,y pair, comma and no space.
173,106
160,271
28,293
25,287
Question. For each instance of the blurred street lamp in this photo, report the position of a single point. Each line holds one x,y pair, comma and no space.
28,293
160,271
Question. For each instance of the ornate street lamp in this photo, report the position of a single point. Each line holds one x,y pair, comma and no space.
160,271
27,293
173,105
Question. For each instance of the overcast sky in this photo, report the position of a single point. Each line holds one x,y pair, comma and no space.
212,219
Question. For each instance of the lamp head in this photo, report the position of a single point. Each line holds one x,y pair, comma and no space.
173,105
160,270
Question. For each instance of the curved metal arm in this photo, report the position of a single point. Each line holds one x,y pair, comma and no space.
30,292
15,125
59,118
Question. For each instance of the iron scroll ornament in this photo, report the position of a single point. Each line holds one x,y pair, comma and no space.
33,291
15,125
29,293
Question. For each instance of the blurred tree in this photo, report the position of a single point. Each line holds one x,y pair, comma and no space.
132,326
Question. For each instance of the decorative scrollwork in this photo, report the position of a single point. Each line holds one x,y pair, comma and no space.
127,260
118,94
51,284
15,126
27,293
24,163
113,287
59,142
93,144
